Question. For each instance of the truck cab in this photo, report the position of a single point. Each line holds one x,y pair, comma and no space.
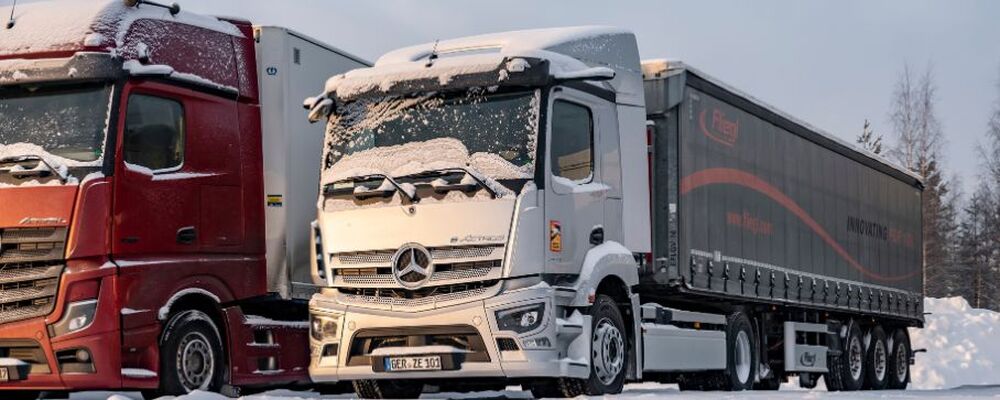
138,249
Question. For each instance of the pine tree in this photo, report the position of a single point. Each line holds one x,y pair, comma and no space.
868,140
917,147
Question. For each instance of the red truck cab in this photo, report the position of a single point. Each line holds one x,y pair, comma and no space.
133,242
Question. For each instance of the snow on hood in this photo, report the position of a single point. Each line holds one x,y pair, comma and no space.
416,157
61,164
68,25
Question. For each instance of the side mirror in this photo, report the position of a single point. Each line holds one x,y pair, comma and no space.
319,108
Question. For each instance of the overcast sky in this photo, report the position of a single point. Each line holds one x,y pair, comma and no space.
831,63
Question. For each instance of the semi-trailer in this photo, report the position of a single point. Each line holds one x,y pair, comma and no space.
540,207
157,182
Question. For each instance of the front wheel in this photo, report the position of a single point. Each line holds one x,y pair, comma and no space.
608,357
191,355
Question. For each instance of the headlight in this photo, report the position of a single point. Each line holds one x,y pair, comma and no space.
323,327
79,315
521,319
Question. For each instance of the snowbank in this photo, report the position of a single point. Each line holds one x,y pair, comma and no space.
963,346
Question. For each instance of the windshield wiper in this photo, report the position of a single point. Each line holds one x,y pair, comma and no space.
442,171
36,172
411,197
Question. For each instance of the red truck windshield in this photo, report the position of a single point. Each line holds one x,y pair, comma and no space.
70,123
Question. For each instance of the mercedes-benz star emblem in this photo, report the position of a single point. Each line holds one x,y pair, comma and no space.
412,266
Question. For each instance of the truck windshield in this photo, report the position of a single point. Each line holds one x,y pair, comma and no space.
69,123
490,134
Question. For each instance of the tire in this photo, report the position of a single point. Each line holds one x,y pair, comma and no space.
191,356
741,353
877,360
899,360
388,389
847,370
608,357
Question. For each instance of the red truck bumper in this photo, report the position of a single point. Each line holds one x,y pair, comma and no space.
28,342
83,360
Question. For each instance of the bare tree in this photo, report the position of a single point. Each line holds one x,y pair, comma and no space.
918,142
869,140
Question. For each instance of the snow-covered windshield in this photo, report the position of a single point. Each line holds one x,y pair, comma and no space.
68,123
491,134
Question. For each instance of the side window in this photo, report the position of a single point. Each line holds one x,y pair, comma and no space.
154,133
572,141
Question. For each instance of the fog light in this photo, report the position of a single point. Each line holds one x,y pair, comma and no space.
82,356
539,343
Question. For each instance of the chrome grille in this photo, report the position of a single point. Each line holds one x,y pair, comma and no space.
31,261
437,253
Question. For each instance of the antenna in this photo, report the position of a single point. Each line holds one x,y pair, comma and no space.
434,54
10,22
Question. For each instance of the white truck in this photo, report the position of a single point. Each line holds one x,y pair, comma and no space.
539,207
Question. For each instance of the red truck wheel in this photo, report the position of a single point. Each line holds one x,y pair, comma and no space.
191,355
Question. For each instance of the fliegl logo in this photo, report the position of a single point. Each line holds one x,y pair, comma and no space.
717,127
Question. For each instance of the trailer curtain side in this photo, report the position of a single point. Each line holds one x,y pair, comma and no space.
753,206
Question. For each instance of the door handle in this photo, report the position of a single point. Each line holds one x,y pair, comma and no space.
187,235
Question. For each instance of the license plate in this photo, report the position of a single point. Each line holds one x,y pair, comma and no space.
418,363
4,374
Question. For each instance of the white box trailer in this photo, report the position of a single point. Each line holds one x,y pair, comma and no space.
291,66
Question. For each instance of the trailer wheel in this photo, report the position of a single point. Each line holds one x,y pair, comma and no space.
899,360
191,355
741,354
877,360
388,389
847,371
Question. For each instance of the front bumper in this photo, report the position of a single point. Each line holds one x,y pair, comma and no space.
29,342
474,323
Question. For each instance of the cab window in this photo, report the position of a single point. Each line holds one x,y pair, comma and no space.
154,133
572,141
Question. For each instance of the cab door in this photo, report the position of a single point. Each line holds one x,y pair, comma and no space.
178,203
575,194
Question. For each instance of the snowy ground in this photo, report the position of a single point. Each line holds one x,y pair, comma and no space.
963,346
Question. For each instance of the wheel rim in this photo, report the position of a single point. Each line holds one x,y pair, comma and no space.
742,357
881,360
902,363
195,362
608,349
854,358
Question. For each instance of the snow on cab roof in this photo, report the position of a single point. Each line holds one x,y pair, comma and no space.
569,51
67,25
661,68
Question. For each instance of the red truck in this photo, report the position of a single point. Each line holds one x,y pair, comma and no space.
157,181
